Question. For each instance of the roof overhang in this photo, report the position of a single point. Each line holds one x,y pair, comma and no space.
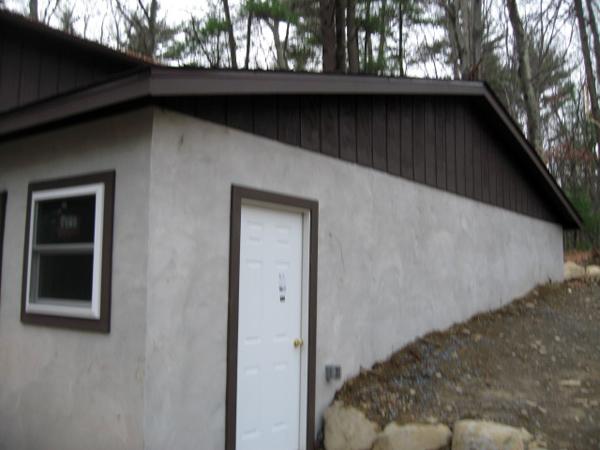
163,82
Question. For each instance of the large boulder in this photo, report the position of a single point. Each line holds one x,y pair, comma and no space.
482,435
347,428
573,270
592,271
413,436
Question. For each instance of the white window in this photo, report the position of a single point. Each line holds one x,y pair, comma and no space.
64,251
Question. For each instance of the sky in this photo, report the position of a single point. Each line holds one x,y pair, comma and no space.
174,10
98,12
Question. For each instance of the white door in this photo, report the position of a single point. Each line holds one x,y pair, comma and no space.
270,362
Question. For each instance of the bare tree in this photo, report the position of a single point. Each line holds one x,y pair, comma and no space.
231,36
144,30
352,30
382,36
328,36
340,34
33,9
595,34
248,39
464,29
532,105
589,72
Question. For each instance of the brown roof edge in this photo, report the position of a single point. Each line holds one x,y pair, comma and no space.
160,82
192,81
75,103
38,30
516,132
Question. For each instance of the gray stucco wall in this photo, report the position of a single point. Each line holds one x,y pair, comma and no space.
396,260
62,389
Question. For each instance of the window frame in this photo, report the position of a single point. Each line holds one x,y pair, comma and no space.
3,201
51,312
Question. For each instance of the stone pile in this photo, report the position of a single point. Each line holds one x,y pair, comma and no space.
574,271
347,428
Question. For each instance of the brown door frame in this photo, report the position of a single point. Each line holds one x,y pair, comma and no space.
238,195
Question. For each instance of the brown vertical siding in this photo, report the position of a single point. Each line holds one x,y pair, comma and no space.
393,136
288,120
430,143
364,139
9,73
348,128
441,142
330,134
239,111
450,139
379,133
406,138
310,123
265,117
418,130
459,125
31,68
468,146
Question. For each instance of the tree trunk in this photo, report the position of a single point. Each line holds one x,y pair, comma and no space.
328,37
279,46
595,35
152,27
353,62
532,108
382,36
457,50
232,46
340,33
33,9
589,73
401,37
368,56
476,40
248,40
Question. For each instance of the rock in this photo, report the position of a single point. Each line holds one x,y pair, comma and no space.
592,271
570,383
347,428
413,436
482,435
573,271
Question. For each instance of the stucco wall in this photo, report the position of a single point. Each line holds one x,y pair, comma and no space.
62,389
396,259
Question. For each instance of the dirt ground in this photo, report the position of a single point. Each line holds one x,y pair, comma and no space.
534,364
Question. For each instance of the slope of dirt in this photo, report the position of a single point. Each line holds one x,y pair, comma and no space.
534,363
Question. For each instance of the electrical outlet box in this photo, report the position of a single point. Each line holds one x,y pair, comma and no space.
333,372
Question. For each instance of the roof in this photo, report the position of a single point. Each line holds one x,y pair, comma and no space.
151,81
12,22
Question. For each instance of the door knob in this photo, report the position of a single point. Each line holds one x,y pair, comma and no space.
298,342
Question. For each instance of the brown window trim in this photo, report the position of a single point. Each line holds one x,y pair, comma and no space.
3,198
103,323
238,194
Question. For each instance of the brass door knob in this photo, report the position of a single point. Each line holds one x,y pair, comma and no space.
298,342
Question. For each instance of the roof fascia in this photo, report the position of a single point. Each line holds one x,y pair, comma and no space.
76,103
183,82
515,132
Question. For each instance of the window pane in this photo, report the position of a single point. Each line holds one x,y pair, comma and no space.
66,277
66,220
